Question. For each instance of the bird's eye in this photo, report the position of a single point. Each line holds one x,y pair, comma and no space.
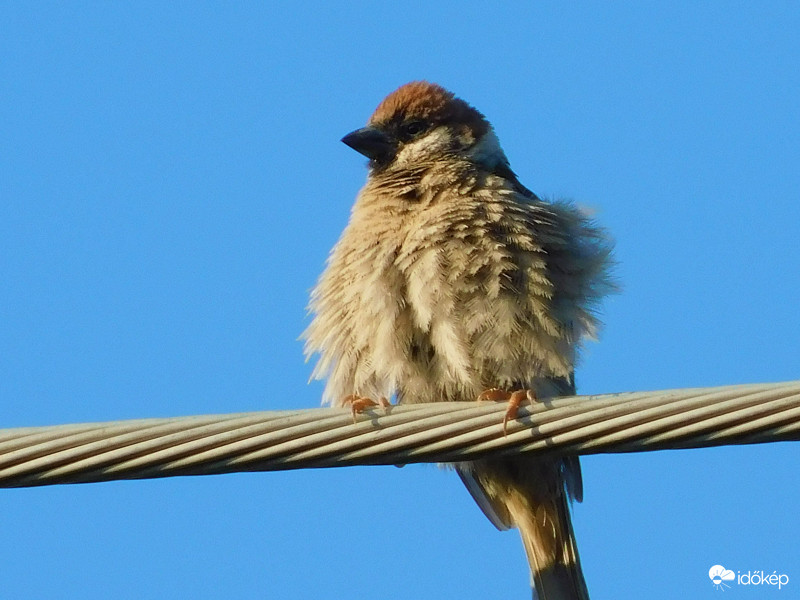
412,129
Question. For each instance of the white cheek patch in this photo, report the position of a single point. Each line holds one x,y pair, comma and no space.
425,147
486,151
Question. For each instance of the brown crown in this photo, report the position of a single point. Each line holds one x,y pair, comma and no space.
431,102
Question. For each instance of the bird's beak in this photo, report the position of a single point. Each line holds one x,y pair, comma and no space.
372,143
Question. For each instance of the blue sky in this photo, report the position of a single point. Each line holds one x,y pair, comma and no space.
171,180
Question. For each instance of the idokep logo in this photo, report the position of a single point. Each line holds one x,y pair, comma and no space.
720,576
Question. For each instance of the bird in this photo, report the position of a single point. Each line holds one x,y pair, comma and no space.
454,282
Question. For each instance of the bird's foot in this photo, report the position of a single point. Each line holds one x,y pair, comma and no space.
514,399
358,404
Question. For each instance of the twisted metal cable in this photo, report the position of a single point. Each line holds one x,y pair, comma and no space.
435,432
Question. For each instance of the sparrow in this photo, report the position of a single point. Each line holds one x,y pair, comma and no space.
452,282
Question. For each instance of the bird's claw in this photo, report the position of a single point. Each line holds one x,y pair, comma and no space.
514,399
358,404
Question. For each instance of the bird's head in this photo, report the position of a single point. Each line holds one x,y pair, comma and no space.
421,123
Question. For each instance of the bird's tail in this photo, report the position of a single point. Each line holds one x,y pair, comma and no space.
534,496
549,542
